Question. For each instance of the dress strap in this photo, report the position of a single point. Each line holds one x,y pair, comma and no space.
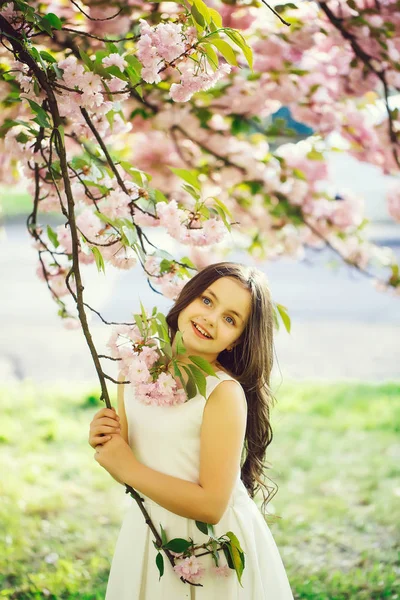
213,381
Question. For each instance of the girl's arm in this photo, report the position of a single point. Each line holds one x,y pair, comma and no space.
121,409
222,436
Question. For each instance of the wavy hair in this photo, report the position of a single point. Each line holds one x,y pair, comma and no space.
250,362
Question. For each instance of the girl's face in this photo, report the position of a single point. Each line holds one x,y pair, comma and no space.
221,311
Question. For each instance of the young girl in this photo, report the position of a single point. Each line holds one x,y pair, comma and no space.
186,460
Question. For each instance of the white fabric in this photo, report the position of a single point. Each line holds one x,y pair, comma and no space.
167,439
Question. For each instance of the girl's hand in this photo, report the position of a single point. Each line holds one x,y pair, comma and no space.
104,424
116,457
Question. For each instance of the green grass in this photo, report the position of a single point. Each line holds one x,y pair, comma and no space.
15,201
335,459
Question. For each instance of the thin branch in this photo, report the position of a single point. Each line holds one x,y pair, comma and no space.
275,13
96,37
92,18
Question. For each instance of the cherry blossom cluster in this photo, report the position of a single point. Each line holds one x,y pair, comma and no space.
161,45
191,569
140,363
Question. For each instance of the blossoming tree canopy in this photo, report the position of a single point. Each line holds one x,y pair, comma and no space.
136,116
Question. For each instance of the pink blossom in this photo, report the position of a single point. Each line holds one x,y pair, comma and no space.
166,383
214,230
192,83
89,224
221,571
64,238
144,219
393,203
190,568
58,285
138,371
115,59
71,323
120,256
347,212
149,356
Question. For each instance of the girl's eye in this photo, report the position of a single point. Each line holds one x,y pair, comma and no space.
205,298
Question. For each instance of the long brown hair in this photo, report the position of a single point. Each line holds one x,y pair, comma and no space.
250,362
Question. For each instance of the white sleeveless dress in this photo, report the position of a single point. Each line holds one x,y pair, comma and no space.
167,439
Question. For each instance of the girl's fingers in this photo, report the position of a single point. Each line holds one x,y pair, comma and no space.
105,429
106,412
105,421
99,440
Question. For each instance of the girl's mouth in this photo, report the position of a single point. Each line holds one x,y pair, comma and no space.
199,334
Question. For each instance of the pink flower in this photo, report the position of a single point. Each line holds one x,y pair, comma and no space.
138,371
149,356
214,230
64,238
190,568
116,60
166,383
221,571
393,203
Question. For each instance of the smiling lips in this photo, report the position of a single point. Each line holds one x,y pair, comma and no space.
196,330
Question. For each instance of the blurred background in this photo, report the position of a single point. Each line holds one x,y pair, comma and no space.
335,455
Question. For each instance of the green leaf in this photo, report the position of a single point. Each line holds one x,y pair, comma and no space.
226,50
164,538
186,261
239,40
143,310
188,176
85,57
234,540
199,379
190,190
203,364
44,25
190,385
203,10
177,545
134,62
139,323
134,77
114,70
202,527
180,347
206,528
53,21
211,56
236,557
52,236
284,316
198,17
228,555
178,374
130,234
215,17
160,564
22,138
61,130
98,258
162,320
223,206
48,57
42,116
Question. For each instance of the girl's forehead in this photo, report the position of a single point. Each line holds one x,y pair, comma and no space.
232,293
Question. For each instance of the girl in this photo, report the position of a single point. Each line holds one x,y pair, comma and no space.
186,460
